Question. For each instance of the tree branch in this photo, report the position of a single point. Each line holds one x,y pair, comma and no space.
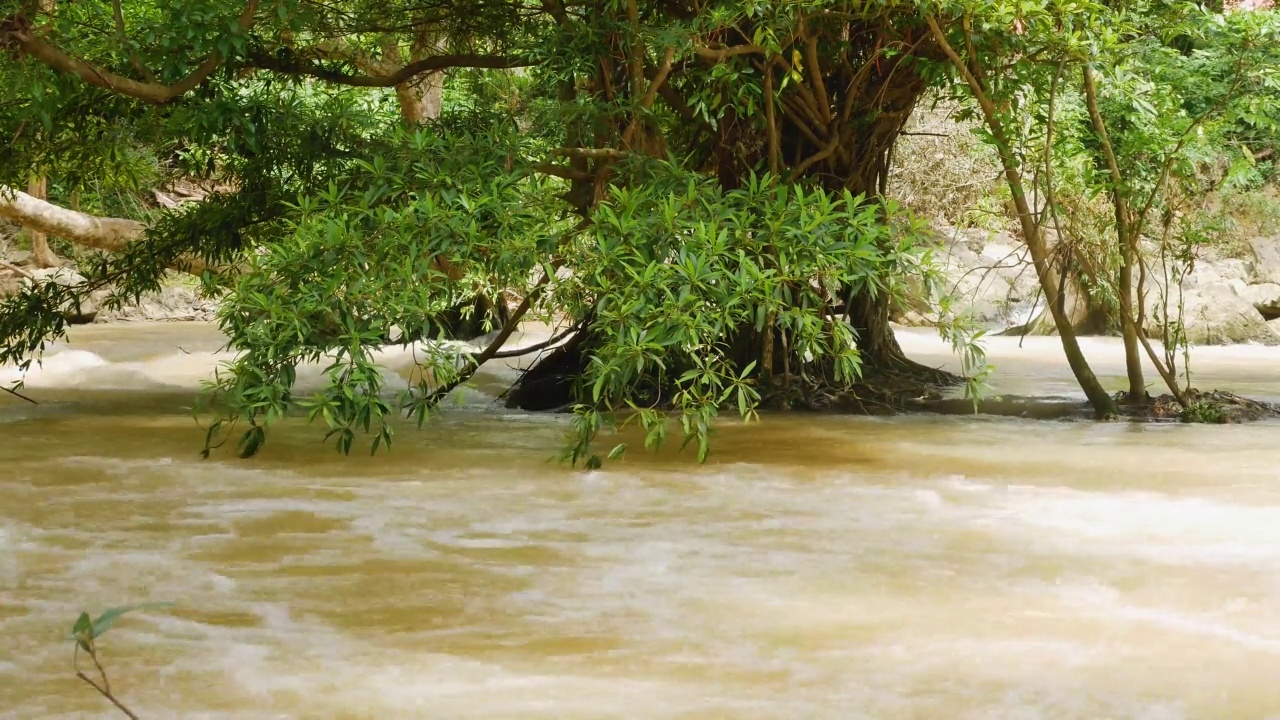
562,172
16,270
294,66
123,37
56,58
590,153
101,233
555,339
650,94
719,54
819,156
815,74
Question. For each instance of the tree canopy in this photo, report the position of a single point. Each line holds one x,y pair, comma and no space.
694,189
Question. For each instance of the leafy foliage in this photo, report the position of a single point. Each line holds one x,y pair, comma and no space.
695,188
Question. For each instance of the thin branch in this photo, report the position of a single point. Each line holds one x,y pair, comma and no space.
105,688
537,347
291,66
123,37
16,270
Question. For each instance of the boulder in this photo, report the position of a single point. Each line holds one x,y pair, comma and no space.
983,292
1215,273
83,311
1218,316
1266,259
1265,298
1275,326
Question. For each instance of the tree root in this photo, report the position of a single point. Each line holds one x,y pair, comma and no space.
1213,407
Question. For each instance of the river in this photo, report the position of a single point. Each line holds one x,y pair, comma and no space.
817,567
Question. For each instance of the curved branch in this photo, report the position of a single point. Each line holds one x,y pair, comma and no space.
58,59
293,66
718,54
538,346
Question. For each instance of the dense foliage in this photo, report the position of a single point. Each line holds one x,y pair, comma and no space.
694,189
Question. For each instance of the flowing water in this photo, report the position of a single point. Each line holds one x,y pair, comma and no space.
818,567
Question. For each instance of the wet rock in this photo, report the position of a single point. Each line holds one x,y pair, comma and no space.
10,285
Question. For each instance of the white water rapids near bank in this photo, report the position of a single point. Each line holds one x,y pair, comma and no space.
922,566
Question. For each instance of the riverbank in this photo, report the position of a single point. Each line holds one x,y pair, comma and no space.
1230,297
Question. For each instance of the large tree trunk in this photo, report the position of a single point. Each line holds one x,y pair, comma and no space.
860,132
41,253
421,99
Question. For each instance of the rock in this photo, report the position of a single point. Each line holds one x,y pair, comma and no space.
84,311
173,303
10,285
18,257
1266,254
1275,326
1217,316
914,319
1213,273
1265,298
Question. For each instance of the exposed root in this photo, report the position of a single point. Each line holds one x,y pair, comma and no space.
1214,407
878,392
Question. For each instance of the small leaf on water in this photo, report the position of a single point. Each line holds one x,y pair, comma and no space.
111,615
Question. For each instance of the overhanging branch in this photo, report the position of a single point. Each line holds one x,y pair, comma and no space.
19,35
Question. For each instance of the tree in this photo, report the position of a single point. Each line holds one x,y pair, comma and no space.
696,186
1123,102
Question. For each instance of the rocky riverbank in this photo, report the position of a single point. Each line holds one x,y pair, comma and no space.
1226,298
176,302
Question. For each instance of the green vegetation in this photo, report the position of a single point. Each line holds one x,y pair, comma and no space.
696,190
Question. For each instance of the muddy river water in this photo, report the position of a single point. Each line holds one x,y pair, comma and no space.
922,566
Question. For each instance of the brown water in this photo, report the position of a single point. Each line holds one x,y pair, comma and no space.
817,567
